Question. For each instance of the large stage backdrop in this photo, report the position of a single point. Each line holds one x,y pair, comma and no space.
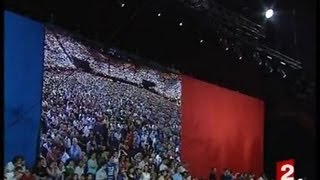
23,61
220,128
85,89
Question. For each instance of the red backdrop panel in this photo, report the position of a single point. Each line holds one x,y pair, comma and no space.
220,128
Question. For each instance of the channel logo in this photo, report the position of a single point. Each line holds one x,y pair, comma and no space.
285,170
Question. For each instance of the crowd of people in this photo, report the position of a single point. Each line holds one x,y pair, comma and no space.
60,44
96,128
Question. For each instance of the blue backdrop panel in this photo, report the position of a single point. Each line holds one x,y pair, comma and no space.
23,66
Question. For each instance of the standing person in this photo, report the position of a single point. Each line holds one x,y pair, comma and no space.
28,176
69,169
17,161
226,175
92,164
80,168
75,150
54,171
131,175
122,175
177,175
162,174
17,174
145,173
101,173
213,174
111,169
41,169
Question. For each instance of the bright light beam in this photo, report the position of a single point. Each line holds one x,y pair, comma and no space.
269,13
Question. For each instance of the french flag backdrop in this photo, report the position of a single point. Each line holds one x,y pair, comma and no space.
23,65
220,128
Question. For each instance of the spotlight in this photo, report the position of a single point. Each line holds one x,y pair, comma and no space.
159,14
201,41
122,5
269,13
180,24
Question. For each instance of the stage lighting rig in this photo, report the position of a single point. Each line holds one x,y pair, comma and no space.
197,4
231,25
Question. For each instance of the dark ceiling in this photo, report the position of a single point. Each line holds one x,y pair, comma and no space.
136,28
291,16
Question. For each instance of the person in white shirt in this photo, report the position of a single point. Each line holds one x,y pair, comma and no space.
86,131
143,163
79,169
67,141
145,175
101,173
17,161
65,157
15,175
9,175
163,165
158,160
181,168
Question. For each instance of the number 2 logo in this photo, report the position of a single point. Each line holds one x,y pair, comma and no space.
285,170
289,169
